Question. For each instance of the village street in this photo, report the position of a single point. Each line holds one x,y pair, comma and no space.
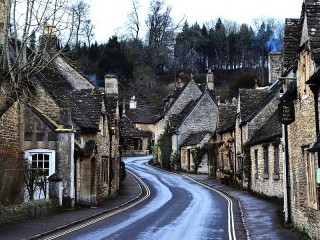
175,208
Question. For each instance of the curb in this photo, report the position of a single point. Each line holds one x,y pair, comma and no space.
92,216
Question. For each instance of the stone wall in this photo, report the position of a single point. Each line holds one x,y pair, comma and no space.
301,136
271,185
28,211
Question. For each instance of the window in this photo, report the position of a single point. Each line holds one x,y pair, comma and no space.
44,160
266,162
104,170
222,160
311,181
276,159
256,160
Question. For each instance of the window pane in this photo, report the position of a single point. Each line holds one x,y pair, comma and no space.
40,164
34,157
40,156
34,164
46,164
46,156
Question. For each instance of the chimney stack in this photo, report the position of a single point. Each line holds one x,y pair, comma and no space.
275,66
111,84
210,80
133,102
49,40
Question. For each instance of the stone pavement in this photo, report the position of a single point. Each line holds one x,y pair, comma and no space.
259,215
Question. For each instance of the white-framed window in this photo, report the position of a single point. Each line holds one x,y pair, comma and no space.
44,161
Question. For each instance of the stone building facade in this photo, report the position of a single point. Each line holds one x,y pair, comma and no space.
302,60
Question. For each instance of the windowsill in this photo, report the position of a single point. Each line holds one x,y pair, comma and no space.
265,176
276,176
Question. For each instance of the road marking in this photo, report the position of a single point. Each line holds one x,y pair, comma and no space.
104,216
231,229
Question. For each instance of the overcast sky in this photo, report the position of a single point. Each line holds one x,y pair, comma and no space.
109,16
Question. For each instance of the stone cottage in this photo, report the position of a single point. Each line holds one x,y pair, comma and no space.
267,158
138,126
301,81
63,128
225,138
255,106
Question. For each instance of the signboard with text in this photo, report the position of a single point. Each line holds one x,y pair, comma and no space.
286,113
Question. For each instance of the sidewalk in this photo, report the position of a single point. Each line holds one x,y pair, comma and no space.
259,215
35,228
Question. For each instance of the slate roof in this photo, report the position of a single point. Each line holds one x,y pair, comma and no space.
111,102
194,138
128,129
174,95
312,9
227,117
293,32
177,119
290,41
251,102
85,105
270,131
144,114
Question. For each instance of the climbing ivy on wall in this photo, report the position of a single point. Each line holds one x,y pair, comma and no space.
165,145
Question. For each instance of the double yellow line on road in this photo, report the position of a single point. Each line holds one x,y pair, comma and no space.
105,215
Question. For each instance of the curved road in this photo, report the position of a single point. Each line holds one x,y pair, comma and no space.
175,208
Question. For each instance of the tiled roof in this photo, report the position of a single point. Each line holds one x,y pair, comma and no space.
293,32
251,101
86,107
270,131
313,13
194,138
111,104
290,41
144,114
227,117
128,130
177,119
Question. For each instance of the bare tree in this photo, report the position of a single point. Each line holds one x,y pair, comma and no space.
22,56
87,31
81,13
133,21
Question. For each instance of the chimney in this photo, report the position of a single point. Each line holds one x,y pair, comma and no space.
210,80
49,40
275,66
133,102
123,109
111,84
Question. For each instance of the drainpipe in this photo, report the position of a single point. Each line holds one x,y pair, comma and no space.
235,154
241,143
287,174
110,161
